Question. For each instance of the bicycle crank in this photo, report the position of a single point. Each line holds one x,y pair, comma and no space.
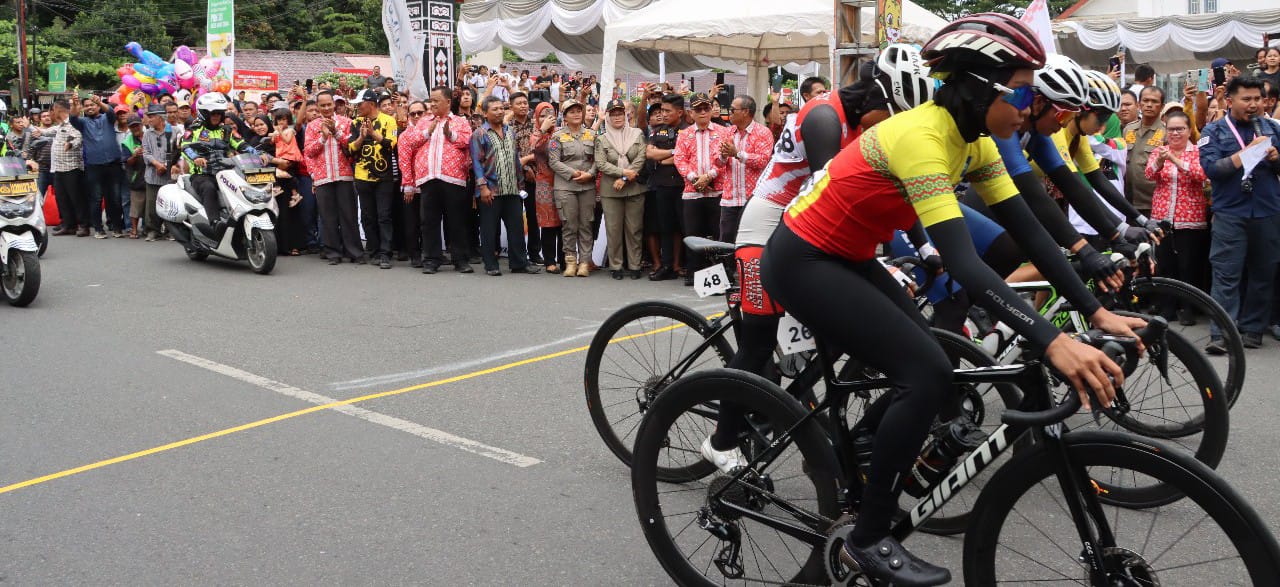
838,571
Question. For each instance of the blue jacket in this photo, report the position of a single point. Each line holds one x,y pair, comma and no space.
99,133
1217,145
482,158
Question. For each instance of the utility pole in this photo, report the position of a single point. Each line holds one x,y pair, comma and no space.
20,104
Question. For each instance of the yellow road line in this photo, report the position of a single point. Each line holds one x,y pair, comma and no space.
354,400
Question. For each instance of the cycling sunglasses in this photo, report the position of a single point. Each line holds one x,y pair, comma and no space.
1020,98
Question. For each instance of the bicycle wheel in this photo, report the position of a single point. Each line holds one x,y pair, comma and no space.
1154,295
629,363
699,538
1191,413
1022,531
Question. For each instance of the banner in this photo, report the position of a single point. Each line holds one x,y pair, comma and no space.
406,48
888,22
258,81
221,35
58,77
360,71
441,34
1037,17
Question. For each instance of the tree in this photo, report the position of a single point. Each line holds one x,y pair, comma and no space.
953,9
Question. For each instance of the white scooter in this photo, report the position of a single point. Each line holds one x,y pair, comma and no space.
247,227
23,233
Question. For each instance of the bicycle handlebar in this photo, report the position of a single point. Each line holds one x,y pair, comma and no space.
1117,348
908,264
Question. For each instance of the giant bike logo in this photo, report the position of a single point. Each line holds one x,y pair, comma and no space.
961,475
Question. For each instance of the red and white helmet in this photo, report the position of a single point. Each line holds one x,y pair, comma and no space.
986,39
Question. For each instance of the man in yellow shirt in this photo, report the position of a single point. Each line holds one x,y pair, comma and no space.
373,139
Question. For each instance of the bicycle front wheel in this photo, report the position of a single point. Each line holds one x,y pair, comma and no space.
1023,532
634,357
765,526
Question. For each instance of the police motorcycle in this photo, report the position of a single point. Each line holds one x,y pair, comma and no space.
23,233
246,229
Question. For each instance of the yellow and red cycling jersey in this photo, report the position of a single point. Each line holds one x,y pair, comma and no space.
902,169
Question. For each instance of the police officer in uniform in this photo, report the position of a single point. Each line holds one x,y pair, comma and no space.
212,126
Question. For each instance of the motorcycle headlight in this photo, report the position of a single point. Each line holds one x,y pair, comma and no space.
15,208
257,195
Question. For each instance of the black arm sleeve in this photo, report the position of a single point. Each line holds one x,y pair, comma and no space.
1017,218
1108,191
1081,197
917,235
985,287
821,132
1046,210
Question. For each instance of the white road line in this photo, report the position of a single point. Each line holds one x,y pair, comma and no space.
381,380
440,436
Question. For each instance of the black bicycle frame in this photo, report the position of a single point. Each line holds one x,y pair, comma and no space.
1031,377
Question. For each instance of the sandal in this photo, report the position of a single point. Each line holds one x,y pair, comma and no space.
294,253
553,268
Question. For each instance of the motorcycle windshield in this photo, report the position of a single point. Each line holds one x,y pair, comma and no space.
10,166
246,161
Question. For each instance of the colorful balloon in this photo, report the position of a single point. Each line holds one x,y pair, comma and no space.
184,54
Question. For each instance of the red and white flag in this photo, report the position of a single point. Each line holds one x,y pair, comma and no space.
1037,17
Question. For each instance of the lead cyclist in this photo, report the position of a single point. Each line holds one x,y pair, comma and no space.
820,263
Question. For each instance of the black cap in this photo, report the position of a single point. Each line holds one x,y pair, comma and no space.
616,104
155,109
699,98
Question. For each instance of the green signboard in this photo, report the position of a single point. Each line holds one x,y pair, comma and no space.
58,77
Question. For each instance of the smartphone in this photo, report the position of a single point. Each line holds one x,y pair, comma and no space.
719,79
1202,80
309,83
1113,64
1219,76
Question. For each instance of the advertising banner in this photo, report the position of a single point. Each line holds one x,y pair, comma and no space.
220,36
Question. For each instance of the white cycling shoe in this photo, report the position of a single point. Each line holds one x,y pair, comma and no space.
725,460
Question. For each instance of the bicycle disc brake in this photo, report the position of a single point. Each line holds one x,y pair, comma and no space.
1126,568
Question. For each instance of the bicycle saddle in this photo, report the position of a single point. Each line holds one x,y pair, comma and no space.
707,246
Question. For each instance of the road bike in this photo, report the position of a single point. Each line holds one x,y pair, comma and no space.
1054,510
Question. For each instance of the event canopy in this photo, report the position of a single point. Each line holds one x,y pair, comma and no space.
573,30
758,34
1174,43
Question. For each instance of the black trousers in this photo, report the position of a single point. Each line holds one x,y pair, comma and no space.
668,207
701,218
533,241
411,227
73,202
552,246
207,187
507,210
337,203
375,213
437,199
730,216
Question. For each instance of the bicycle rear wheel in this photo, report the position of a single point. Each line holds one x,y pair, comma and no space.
1153,295
698,537
1022,530
628,364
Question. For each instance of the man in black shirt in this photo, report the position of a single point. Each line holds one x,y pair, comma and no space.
667,186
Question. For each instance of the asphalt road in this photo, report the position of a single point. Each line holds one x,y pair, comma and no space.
157,430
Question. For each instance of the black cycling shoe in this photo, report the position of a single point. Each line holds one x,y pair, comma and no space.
888,562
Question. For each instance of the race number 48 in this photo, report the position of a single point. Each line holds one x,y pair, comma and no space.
711,281
794,337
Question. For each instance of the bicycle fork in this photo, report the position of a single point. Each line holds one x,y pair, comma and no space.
1081,495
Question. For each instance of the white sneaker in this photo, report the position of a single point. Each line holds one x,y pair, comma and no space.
725,460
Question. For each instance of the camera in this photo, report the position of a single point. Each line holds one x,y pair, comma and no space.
473,69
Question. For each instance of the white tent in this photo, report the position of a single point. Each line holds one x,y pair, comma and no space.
1171,44
755,33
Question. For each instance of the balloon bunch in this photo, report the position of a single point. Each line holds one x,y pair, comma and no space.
151,77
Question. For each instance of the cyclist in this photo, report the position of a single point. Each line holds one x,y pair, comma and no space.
820,263
810,138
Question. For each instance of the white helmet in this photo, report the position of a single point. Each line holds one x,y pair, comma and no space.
1103,92
908,75
211,102
1062,80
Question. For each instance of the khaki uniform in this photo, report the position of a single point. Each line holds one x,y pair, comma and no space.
1142,140
623,209
568,152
